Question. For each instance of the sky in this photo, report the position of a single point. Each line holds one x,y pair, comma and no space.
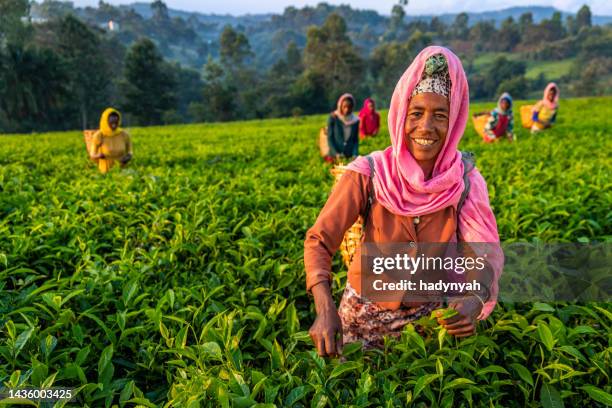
239,7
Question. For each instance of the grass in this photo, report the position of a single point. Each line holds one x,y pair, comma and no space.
552,70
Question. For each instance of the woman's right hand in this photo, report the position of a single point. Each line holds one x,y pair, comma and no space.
326,331
326,334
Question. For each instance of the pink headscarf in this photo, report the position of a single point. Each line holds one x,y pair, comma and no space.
399,181
370,119
549,104
365,109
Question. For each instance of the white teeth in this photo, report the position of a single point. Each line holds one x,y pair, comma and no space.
424,142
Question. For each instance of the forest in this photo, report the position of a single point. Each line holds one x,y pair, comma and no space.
60,66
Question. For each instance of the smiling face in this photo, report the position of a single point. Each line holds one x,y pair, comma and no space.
113,121
371,105
551,94
426,127
347,107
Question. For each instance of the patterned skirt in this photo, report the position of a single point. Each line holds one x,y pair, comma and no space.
365,321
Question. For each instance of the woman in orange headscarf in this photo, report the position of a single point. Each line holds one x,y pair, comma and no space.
111,143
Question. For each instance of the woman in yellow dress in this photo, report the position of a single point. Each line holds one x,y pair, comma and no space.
544,113
111,143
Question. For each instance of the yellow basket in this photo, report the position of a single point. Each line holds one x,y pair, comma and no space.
480,121
352,237
526,116
88,138
323,144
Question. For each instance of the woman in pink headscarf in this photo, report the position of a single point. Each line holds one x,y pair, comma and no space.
544,113
408,193
369,119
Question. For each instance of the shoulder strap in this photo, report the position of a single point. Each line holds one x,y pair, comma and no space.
469,162
366,212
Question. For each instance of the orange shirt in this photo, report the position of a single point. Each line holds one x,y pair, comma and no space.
345,203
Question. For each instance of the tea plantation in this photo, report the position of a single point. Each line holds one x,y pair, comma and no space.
179,281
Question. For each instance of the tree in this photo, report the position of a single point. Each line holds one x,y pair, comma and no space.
525,21
502,69
189,89
274,98
33,88
508,36
160,11
294,58
12,29
548,30
330,54
437,26
396,23
482,34
220,98
148,87
90,75
583,18
390,60
54,9
516,86
234,47
310,94
570,24
556,26
460,30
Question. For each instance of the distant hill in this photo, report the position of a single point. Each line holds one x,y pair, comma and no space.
247,20
270,33
190,37
539,13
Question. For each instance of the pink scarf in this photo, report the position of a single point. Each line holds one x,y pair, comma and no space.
370,119
399,181
554,104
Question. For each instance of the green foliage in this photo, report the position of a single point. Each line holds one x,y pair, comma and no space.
179,281
12,29
270,66
330,55
502,73
149,86
90,72
34,88
234,47
388,63
583,18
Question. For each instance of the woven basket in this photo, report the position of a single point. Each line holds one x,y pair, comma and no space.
480,121
352,237
323,144
526,116
88,137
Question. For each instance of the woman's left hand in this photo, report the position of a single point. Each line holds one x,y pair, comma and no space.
126,158
463,324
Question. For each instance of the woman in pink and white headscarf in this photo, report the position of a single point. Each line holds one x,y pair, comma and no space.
343,130
417,187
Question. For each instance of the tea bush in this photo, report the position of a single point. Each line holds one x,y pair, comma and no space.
179,281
